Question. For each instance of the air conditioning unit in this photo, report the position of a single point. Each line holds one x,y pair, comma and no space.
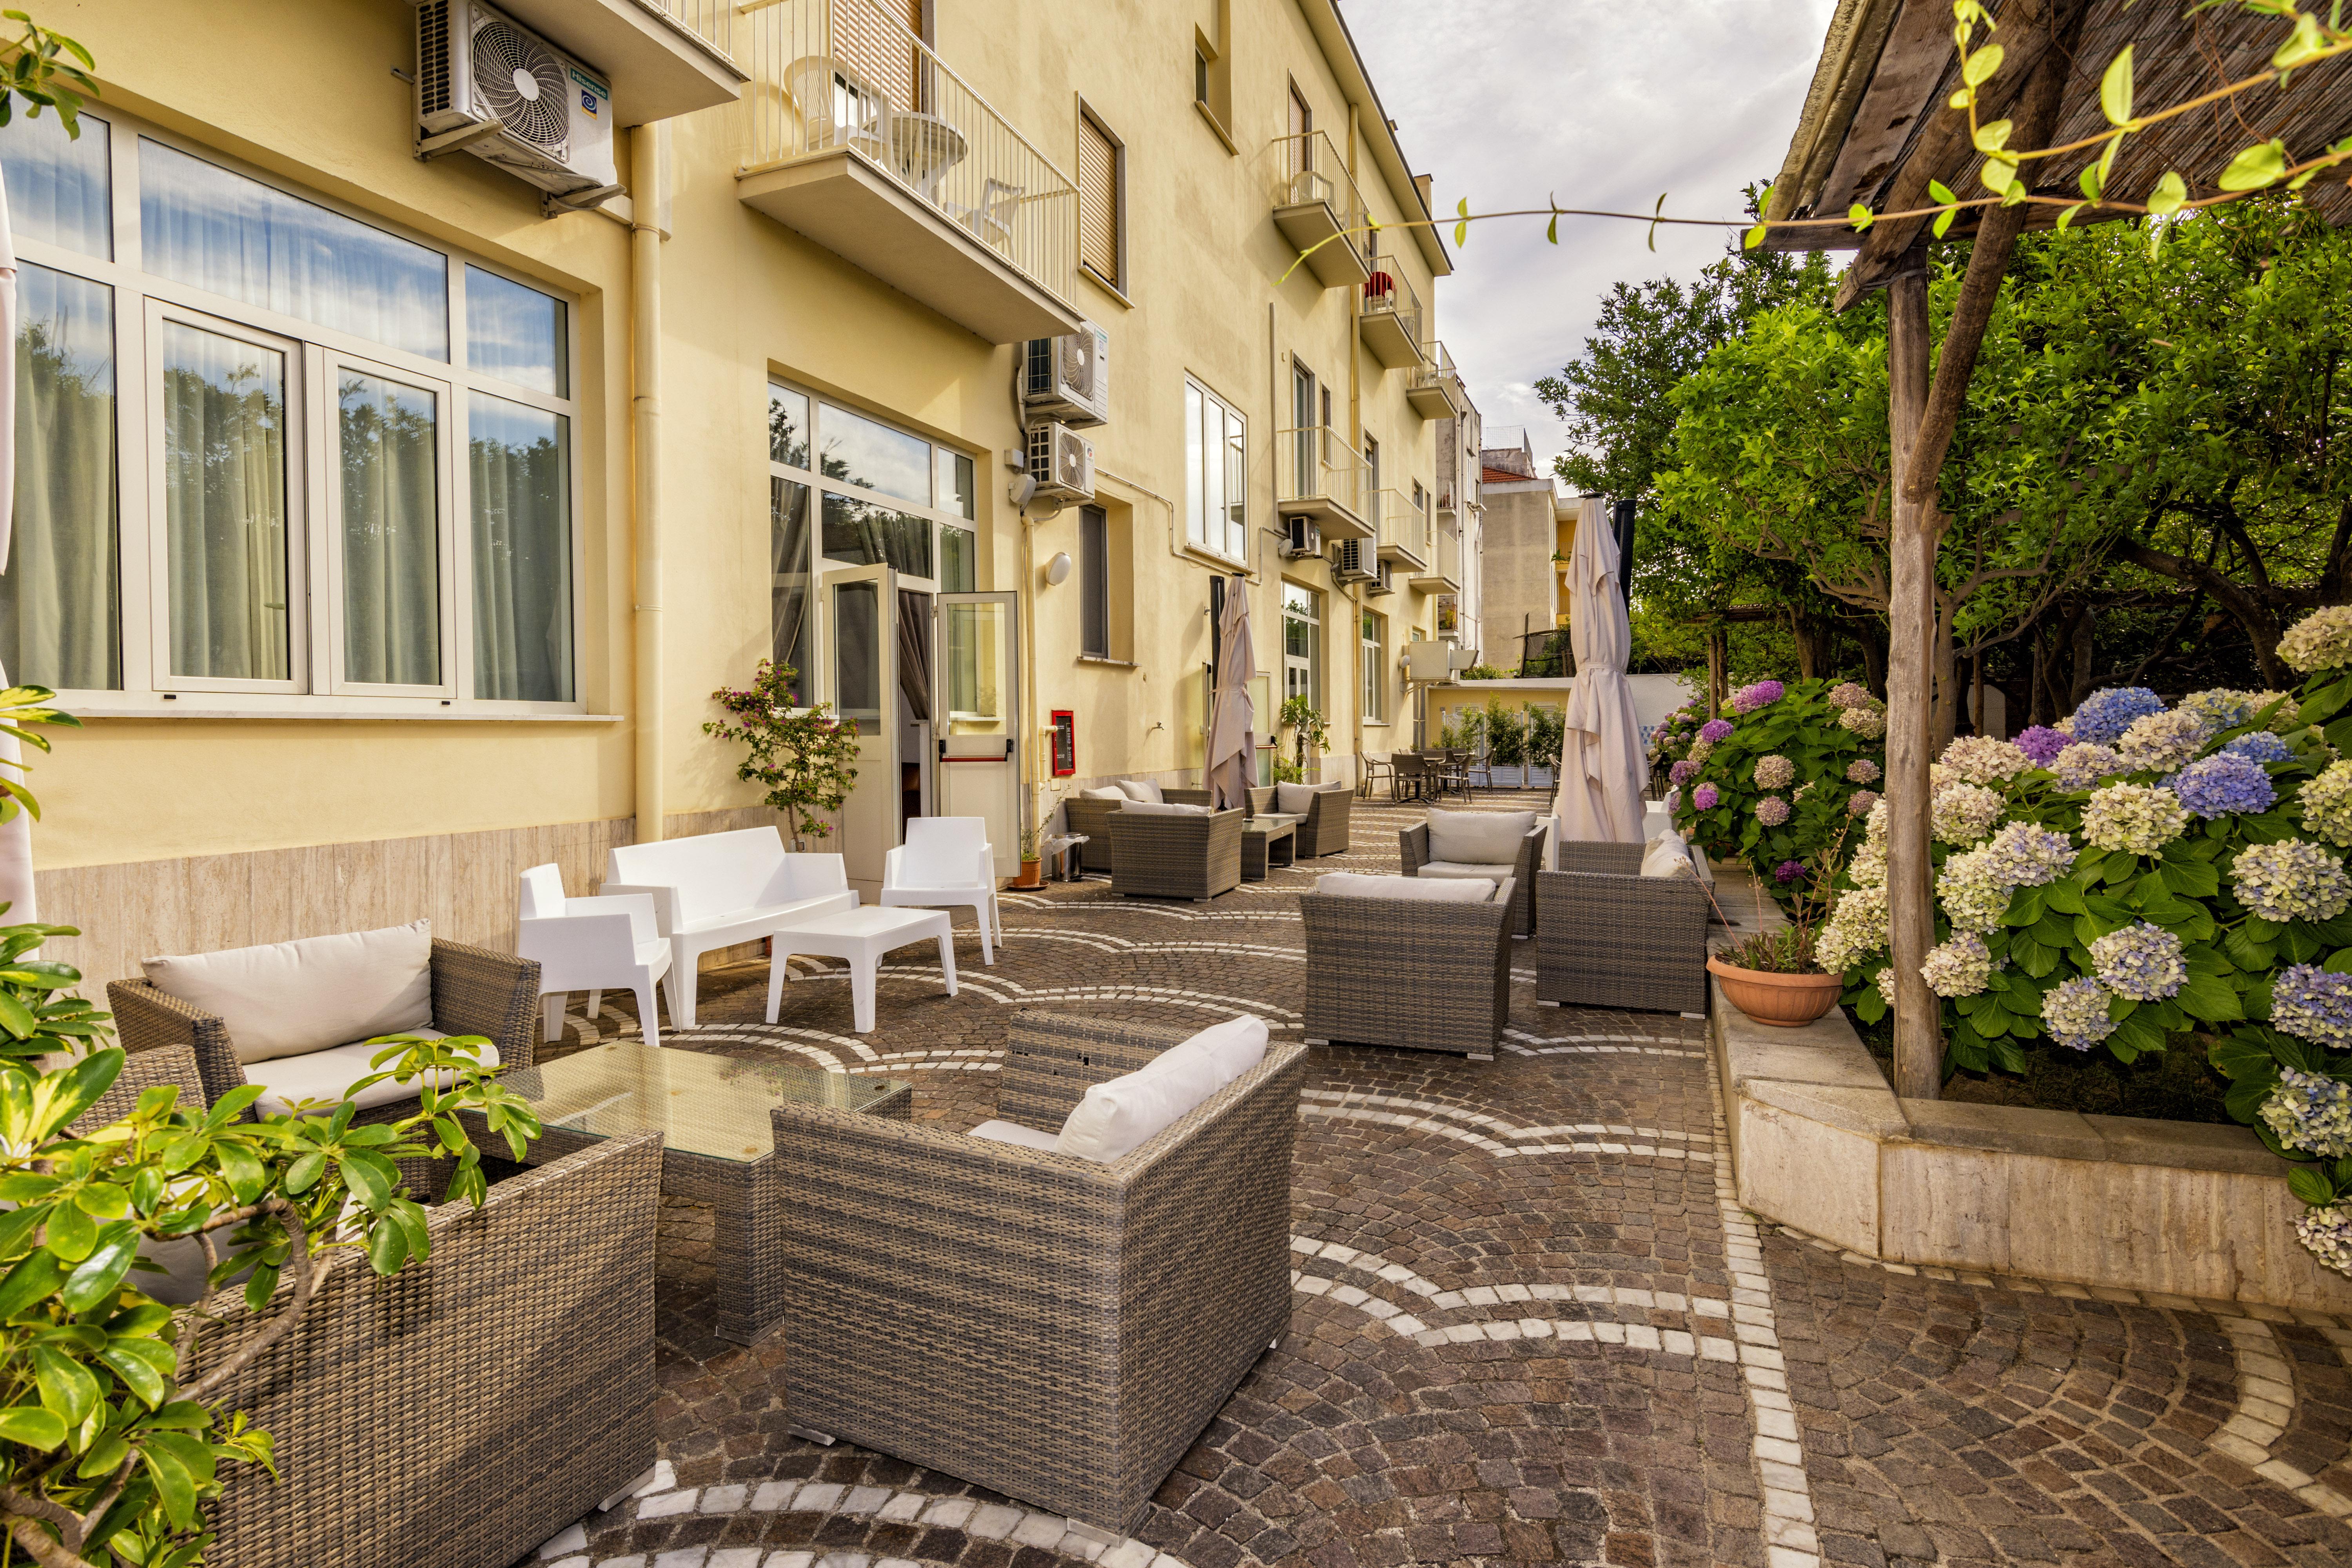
1351,561
1062,461
1302,538
1068,377
1380,584
490,86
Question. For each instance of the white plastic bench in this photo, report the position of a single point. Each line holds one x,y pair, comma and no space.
720,888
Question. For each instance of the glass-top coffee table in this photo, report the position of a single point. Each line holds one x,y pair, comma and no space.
717,1143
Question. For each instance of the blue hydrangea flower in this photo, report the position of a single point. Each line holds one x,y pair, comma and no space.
2260,746
2313,1003
2142,961
2219,786
2106,713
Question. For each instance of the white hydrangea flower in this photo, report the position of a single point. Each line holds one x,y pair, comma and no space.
1973,898
2163,741
2140,819
2292,880
2327,805
1870,723
1964,813
1960,967
2082,764
1982,760
2321,640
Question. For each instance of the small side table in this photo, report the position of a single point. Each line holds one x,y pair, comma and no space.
860,937
1269,840
1058,848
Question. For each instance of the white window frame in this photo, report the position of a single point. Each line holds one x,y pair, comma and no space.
317,687
1373,651
1198,399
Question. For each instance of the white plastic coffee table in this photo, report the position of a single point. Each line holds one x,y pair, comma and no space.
860,937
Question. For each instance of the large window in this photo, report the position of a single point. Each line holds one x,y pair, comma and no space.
1302,644
1216,474
1376,666
272,449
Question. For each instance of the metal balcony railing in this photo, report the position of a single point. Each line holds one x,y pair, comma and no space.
1436,388
1316,463
1390,318
712,21
833,74
1319,209
1402,528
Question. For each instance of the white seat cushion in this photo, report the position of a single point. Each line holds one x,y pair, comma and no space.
1014,1133
1441,870
1667,855
1141,790
1478,837
291,998
1437,890
326,1075
1163,808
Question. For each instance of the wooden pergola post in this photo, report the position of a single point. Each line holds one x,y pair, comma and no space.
1910,676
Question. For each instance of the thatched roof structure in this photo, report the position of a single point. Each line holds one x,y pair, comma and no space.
1876,126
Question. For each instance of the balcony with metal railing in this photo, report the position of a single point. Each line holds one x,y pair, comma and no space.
1317,475
1390,318
661,58
862,139
1405,531
1443,575
1436,390
1319,210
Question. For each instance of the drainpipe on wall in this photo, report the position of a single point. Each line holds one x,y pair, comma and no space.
1356,434
649,150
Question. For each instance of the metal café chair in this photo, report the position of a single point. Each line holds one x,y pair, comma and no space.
1410,779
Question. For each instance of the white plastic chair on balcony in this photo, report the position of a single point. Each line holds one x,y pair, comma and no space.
946,863
609,943
838,109
992,221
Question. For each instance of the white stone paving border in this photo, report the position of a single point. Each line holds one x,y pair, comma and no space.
662,1499
1492,1134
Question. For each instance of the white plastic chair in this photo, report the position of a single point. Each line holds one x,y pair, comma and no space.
992,221
946,863
592,945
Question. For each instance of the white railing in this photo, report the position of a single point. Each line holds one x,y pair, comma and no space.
1320,466
1389,292
833,74
1437,370
1307,168
712,21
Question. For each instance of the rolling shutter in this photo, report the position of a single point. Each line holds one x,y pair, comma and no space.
1098,215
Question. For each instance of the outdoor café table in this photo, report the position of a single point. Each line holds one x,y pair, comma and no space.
717,1144
1268,839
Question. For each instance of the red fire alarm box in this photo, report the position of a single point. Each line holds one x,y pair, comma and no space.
1065,743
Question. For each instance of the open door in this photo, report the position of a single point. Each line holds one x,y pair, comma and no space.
976,704
861,619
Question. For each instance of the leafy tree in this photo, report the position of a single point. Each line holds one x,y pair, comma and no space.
804,757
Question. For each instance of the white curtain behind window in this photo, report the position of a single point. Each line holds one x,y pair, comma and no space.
59,619
517,459
225,505
392,568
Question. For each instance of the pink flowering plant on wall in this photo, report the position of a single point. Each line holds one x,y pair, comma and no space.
1774,780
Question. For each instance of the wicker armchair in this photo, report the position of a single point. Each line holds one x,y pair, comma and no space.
1050,1328
1408,972
1413,850
1324,830
1610,937
475,991
457,1413
1091,817
1179,854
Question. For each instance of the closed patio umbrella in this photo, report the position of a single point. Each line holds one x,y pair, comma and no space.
1232,746
1600,768
16,833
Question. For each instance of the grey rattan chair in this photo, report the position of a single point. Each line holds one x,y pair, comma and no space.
1610,937
1053,1329
1408,972
1175,855
475,991
1324,830
1412,843
1091,817
465,1410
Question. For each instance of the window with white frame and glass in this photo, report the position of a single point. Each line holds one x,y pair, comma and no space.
1216,474
1302,644
275,453
1376,666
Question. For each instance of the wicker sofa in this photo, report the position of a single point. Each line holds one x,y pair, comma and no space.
1175,855
475,991
1610,937
1414,851
1050,1328
1406,972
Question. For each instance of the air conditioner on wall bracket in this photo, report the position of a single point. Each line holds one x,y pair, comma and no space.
1068,377
489,86
1300,539
1352,561
1062,461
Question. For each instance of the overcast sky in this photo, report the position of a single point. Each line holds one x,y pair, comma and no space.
1604,103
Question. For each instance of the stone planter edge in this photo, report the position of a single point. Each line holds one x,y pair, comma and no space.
1820,1143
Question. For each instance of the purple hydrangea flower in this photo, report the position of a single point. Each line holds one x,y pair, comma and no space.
1683,771
1705,797
2218,786
1789,870
1771,811
2313,1002
2041,743
2106,713
1716,729
1748,699
2261,746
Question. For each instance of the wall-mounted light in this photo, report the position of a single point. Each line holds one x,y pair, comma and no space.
1057,570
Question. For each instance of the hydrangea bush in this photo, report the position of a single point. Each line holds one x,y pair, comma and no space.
1774,780
2140,871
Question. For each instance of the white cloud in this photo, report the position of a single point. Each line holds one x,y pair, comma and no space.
1599,103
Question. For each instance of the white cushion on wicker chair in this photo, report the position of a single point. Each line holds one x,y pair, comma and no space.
1477,837
1236,1045
288,998
1164,808
1121,1116
1108,791
1669,856
1438,891
1142,790
1299,799
1464,871
326,1075
1014,1133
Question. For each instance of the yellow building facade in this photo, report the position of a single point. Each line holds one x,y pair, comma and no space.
390,520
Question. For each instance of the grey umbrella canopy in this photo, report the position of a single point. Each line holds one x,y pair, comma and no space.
1231,745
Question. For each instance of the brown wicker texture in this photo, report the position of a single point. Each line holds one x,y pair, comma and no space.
1407,972
475,991
1612,938
1412,848
1050,1328
1091,817
174,1065
469,1407
1260,798
1180,855
1324,829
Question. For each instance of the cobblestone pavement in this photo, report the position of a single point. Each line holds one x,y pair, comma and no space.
1531,1325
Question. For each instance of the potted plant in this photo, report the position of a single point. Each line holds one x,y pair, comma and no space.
1303,717
1775,976
1507,744
805,757
1546,731
1030,875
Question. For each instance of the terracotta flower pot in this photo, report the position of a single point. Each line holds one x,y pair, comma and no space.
1783,1001
1029,877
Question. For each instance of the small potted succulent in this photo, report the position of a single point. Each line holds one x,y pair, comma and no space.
1776,977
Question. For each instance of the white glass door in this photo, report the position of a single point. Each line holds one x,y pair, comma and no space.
861,630
976,710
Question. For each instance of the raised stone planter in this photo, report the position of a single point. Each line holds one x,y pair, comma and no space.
1819,1142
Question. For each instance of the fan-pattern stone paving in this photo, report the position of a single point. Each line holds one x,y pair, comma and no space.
1530,1325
